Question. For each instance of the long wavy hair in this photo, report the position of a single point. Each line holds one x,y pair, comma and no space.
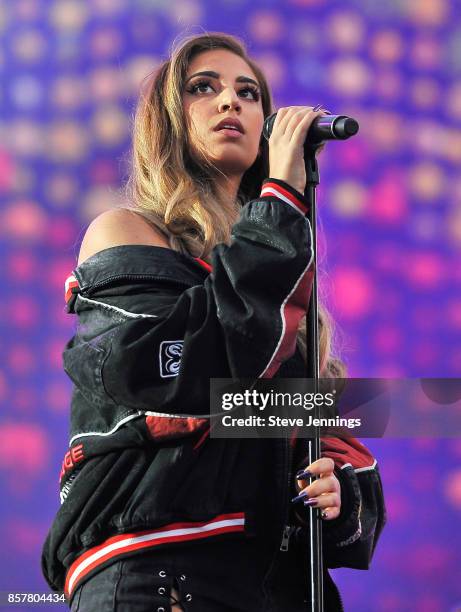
177,193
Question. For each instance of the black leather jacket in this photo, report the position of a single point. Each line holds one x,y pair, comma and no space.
154,326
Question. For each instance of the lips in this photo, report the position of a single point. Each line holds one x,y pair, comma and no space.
234,123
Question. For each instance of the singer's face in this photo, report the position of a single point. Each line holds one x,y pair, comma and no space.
231,92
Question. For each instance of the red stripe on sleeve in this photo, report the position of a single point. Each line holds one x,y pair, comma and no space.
71,282
349,450
281,193
292,312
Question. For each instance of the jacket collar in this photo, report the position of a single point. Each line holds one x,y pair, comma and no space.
140,259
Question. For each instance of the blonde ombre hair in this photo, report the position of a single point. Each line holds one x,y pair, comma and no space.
177,192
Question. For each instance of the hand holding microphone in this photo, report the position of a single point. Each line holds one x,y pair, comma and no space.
294,129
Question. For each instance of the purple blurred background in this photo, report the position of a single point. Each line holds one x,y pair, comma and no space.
389,243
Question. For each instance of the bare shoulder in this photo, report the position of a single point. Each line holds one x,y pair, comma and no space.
117,227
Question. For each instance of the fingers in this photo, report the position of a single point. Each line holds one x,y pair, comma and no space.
299,133
321,466
293,122
329,514
328,503
325,491
321,485
286,113
279,117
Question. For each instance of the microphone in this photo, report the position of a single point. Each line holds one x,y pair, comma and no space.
327,127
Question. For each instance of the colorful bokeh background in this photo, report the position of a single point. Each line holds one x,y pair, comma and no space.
389,237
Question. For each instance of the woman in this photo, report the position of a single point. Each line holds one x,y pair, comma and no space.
207,275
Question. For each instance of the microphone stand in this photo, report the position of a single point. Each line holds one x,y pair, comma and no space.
328,127
315,552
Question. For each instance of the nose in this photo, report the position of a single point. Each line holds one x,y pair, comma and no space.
229,99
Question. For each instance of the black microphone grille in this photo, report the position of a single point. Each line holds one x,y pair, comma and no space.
346,127
351,126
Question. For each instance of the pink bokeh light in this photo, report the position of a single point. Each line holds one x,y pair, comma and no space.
22,311
24,537
54,350
22,266
24,449
429,603
6,171
3,386
356,157
398,507
57,397
452,487
425,269
354,293
425,354
103,172
61,232
24,220
25,400
387,339
389,370
393,600
429,559
266,25
388,201
454,314
106,42
21,359
424,444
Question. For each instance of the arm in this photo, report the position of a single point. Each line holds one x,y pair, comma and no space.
241,322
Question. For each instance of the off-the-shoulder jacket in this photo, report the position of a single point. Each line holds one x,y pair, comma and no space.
142,469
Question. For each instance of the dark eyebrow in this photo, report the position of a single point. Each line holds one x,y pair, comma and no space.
215,75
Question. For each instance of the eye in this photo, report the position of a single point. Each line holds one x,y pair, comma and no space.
199,85
252,90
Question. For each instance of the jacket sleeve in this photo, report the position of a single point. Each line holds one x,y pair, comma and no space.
350,539
155,349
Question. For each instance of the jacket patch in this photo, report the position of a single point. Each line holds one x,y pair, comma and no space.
170,357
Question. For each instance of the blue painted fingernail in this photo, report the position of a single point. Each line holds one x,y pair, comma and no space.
300,497
310,502
302,474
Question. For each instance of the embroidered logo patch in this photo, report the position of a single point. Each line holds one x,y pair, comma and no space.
170,357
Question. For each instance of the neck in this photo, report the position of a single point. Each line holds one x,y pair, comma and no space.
229,185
